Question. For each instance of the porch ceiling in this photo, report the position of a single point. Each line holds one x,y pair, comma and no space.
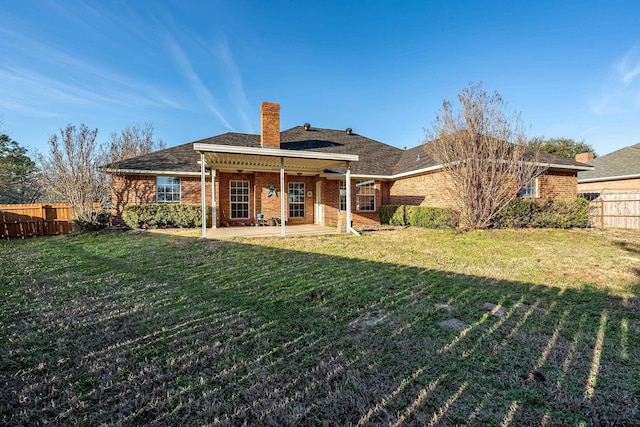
223,157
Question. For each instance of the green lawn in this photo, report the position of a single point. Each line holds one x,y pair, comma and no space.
133,329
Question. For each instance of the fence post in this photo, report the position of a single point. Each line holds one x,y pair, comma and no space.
601,213
43,215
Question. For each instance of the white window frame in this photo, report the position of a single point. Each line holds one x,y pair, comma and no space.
342,196
371,196
244,194
172,193
530,189
296,207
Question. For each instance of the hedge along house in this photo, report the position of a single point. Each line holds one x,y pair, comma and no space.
303,175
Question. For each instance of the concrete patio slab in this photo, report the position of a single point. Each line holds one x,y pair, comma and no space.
224,233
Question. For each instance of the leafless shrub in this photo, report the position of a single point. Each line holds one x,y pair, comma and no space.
482,148
70,173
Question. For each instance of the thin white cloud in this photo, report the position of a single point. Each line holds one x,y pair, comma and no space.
585,132
75,80
236,88
184,65
629,66
219,51
621,91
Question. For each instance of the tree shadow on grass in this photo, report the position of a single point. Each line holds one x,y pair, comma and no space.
184,331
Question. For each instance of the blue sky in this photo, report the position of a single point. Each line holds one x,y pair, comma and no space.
198,69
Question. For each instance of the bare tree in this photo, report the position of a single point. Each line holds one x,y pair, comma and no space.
70,173
482,148
132,141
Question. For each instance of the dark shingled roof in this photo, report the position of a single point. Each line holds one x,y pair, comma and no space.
417,158
623,162
414,159
376,158
182,158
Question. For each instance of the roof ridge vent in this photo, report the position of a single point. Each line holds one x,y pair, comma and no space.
307,126
349,130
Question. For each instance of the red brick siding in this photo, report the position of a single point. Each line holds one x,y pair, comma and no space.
632,184
330,199
423,190
436,191
141,189
190,190
558,184
268,206
131,190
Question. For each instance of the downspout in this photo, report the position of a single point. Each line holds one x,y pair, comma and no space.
203,197
348,185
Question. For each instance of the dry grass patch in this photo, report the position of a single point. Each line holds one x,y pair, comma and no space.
327,330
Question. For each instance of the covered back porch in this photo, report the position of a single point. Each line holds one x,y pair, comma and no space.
251,185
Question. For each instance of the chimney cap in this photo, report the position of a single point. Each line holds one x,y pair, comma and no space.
307,126
349,130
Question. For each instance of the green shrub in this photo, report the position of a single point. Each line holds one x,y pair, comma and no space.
163,216
544,213
517,214
387,212
418,216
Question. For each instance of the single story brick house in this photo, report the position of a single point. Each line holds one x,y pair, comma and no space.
618,171
305,175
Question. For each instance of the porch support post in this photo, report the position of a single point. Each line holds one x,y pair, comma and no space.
348,185
203,196
282,196
214,203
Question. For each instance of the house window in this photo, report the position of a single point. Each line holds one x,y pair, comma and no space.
366,196
530,190
239,198
168,189
296,200
342,196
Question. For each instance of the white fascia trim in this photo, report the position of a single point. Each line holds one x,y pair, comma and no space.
383,177
150,172
609,178
572,167
434,168
273,152
559,166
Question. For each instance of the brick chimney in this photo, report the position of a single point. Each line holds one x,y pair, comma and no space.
270,125
585,157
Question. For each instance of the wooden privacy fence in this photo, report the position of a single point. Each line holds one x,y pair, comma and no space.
29,220
620,210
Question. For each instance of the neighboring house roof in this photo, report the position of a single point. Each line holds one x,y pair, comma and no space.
376,159
621,164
